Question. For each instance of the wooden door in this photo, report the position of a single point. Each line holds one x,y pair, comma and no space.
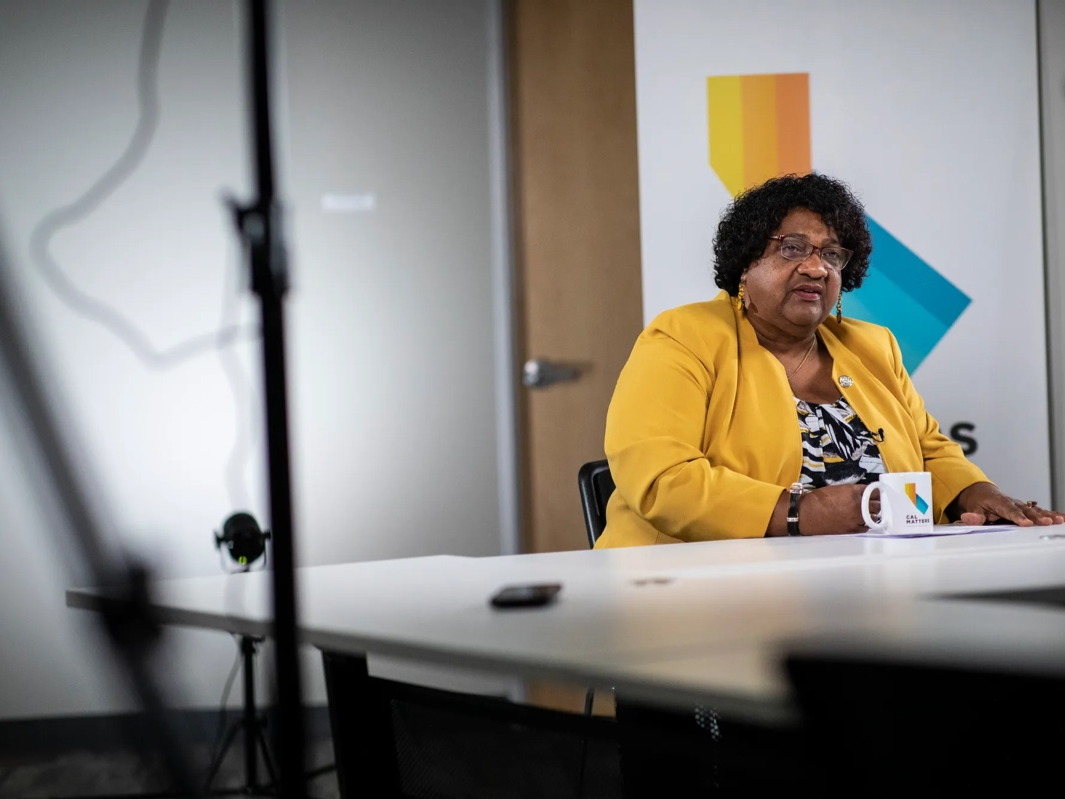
577,239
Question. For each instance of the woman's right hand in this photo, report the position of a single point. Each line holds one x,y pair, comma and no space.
835,510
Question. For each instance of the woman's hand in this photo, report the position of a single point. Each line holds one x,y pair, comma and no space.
832,510
983,502
835,510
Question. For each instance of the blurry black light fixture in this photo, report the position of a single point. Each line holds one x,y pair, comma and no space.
242,538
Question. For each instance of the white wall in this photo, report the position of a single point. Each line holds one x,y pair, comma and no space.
393,344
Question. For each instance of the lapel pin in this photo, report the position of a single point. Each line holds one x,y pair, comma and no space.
845,381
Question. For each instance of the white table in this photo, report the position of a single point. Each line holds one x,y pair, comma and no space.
674,624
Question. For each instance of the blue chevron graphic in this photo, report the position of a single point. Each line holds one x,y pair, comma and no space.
906,295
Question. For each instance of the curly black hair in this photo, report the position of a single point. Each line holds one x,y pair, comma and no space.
756,214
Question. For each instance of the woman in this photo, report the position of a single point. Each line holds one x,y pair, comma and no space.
767,402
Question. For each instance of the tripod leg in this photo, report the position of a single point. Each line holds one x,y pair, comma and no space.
260,733
227,742
251,717
251,723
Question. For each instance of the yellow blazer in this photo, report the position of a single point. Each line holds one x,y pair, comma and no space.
702,432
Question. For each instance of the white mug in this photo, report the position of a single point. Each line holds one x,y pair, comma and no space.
905,503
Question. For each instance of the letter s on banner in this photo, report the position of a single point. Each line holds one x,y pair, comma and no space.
959,433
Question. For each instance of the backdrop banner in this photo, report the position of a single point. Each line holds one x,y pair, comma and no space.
930,112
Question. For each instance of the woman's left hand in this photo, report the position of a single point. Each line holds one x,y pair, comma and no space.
983,502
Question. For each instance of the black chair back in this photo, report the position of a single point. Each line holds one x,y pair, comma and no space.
596,486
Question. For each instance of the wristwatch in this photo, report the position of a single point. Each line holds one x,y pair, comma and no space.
795,491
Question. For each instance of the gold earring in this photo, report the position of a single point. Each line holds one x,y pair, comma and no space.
739,296
839,310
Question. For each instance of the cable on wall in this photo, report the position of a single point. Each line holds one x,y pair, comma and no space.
94,309
81,208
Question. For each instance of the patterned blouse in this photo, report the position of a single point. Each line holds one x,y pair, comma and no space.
837,448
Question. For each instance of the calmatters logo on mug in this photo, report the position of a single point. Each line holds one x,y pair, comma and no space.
918,501
905,503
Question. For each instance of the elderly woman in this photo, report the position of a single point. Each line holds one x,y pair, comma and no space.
764,411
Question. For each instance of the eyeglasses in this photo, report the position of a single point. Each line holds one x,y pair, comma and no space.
796,248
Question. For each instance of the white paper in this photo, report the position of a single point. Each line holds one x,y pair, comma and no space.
944,529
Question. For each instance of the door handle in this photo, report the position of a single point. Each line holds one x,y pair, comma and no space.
540,373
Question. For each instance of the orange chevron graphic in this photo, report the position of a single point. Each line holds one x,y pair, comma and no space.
759,127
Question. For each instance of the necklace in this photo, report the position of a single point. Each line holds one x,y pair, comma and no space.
793,372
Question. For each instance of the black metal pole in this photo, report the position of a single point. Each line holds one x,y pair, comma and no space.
259,224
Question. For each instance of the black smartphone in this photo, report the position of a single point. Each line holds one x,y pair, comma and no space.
530,595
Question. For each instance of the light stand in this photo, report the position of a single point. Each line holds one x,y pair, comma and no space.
245,543
252,724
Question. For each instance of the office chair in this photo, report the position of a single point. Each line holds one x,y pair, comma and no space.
596,486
